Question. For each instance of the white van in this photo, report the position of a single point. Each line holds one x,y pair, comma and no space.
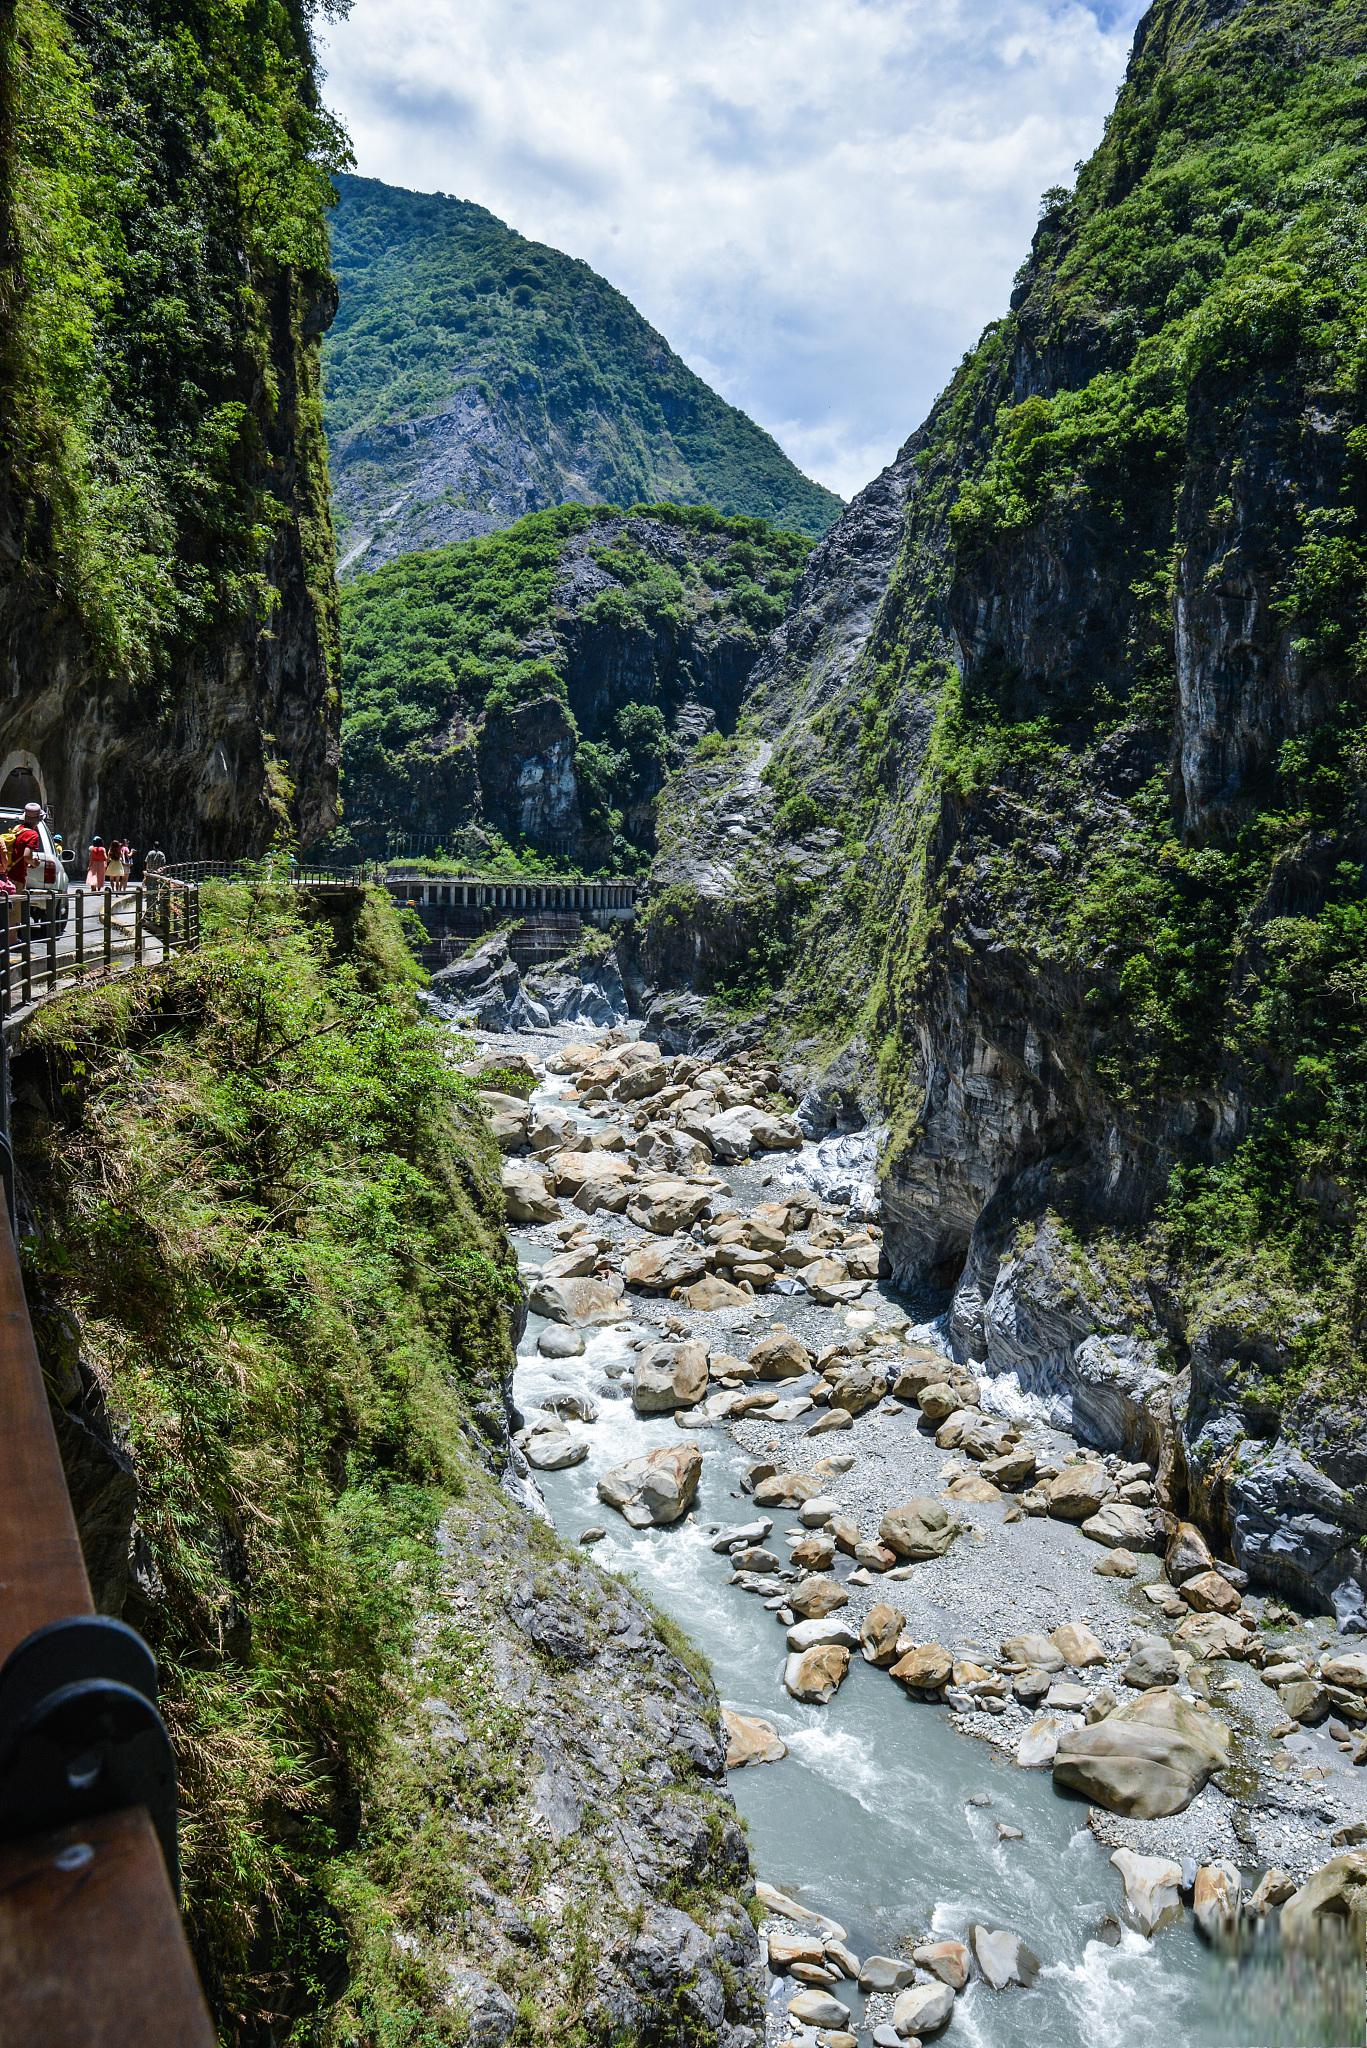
46,871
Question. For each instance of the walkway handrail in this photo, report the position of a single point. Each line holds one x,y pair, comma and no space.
91,1943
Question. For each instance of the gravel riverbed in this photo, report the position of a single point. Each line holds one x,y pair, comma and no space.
1278,1802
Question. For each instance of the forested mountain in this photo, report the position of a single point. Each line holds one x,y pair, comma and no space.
534,686
1054,785
473,376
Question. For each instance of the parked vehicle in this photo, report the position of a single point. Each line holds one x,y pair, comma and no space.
47,872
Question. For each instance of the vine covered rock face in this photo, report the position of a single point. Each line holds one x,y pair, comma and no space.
167,607
1043,823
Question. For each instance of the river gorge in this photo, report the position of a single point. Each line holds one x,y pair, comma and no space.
696,1299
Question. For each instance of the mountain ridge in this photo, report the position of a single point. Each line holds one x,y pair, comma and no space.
507,378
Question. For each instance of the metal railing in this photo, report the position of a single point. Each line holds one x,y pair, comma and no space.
270,871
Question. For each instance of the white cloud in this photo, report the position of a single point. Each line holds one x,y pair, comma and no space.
819,202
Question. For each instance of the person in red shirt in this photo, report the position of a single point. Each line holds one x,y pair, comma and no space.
28,845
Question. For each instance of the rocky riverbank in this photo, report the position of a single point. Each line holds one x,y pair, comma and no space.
910,1526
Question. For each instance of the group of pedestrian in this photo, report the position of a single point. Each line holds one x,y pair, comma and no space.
19,847
109,867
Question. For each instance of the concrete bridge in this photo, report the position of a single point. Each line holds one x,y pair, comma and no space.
601,902
546,915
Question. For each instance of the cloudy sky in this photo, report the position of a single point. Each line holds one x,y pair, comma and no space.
818,202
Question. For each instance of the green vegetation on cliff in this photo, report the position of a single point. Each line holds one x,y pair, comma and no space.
1099,768
578,398
167,182
572,638
268,1253
164,509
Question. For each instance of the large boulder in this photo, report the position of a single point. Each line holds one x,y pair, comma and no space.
1187,1554
1148,1758
781,1356
923,2010
1076,1491
1333,1901
1216,1901
816,1675
1210,1593
669,1376
1002,1957
1214,1636
655,1489
509,1119
815,1597
668,1205
921,1528
879,1631
577,1301
1077,1645
526,1195
855,1388
1119,1526
926,1668
712,1292
549,1447
1153,1889
750,1740
660,1268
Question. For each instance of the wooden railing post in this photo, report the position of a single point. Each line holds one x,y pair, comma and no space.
80,933
52,940
137,923
26,938
107,896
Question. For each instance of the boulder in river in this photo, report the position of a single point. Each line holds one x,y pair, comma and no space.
885,1973
1035,1652
578,1301
660,1268
557,1340
667,1205
1331,1903
781,1356
1216,1900
879,1631
785,1490
814,1598
1149,1758
669,1376
925,1668
549,1447
712,1293
1002,1957
923,2010
526,1195
947,1960
750,1740
1213,1636
819,2009
1209,1593
1153,1889
815,1676
654,1489
1153,1661
823,1629
921,1528
1039,1743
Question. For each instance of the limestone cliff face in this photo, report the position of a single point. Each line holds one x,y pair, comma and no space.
167,609
1063,815
635,635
